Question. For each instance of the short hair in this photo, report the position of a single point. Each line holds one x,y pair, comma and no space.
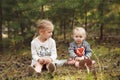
81,30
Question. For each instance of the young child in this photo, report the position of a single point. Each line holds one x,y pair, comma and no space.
43,48
79,49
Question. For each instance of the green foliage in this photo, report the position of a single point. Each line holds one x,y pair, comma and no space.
14,25
19,16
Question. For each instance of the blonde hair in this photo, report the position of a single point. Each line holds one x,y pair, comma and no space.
81,30
43,24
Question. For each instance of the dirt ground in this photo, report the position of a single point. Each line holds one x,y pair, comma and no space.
15,67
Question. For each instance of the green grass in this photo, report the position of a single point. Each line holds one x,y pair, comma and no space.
106,66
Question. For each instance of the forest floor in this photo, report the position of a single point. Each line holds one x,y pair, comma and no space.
107,66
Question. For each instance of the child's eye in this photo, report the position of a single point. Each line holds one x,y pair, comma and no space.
80,36
76,36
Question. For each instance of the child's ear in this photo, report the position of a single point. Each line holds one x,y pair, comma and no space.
41,30
84,37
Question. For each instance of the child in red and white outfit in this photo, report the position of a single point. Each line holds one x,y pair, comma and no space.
79,49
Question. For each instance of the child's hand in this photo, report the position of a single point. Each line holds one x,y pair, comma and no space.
41,61
79,58
82,58
47,60
86,57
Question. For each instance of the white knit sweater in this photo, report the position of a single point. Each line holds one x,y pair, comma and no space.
43,49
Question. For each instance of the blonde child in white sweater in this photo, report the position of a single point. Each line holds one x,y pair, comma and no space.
43,48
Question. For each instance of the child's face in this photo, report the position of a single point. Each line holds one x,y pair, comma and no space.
46,33
78,37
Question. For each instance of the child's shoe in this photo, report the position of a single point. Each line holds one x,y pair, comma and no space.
51,68
81,64
88,63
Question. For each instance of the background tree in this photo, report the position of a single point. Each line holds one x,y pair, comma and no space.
19,18
1,26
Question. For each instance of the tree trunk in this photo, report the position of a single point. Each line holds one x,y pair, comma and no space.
64,26
101,32
8,33
42,12
86,21
73,16
61,27
85,18
1,46
22,29
101,20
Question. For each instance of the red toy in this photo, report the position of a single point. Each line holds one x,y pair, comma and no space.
80,51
